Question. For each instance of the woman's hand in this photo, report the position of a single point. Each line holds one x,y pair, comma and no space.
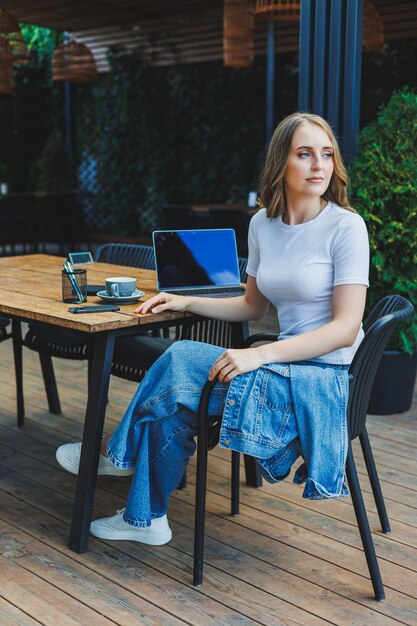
234,362
163,302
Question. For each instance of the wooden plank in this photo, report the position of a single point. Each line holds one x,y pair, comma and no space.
42,601
395,433
13,616
78,581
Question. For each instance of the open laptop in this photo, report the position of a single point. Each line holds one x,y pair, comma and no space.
197,262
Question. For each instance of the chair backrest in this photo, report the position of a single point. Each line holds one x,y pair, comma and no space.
378,327
4,323
243,263
126,254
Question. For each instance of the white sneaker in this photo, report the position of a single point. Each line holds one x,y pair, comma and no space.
114,528
68,456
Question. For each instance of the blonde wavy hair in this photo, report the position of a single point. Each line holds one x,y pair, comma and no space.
272,190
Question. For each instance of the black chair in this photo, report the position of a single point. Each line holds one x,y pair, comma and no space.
52,341
378,328
4,331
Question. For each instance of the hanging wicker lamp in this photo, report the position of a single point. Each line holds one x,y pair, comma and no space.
286,10
373,28
10,32
238,22
6,67
74,62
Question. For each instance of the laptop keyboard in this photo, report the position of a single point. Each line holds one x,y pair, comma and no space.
205,291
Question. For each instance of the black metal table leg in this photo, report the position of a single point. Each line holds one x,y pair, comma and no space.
18,364
93,430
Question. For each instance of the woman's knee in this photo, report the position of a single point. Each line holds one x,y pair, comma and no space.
191,359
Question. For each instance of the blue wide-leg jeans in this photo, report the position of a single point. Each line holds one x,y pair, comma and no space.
275,413
156,434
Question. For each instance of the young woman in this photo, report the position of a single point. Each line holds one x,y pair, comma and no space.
309,256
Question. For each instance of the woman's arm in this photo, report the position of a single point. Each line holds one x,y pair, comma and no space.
251,306
348,306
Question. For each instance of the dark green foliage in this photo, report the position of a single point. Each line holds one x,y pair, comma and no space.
188,133
4,173
40,41
384,71
384,191
53,172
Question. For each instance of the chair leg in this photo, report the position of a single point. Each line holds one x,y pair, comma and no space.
374,480
253,473
235,483
363,525
18,366
183,481
50,383
201,484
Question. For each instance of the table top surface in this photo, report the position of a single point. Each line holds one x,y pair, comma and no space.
31,288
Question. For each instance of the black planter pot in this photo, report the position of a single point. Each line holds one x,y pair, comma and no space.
393,387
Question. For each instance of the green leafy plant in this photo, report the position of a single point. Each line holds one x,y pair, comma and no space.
384,192
40,42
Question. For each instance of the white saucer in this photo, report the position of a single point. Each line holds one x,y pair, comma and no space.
121,299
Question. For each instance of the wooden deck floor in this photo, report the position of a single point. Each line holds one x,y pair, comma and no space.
284,560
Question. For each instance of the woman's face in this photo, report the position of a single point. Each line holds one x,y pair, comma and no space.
310,162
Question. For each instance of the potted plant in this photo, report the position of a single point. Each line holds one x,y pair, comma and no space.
384,191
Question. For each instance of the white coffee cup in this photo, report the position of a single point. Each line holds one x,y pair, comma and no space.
120,286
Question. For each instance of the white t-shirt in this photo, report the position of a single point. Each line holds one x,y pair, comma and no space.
296,268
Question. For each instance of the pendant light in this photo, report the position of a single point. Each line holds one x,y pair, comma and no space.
10,33
74,62
373,28
287,10
238,22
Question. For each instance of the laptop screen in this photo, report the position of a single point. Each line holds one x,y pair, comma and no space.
196,258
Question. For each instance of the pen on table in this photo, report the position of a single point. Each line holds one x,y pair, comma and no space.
73,281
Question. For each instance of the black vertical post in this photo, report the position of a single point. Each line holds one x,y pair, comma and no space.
270,80
68,117
305,76
353,66
319,58
330,65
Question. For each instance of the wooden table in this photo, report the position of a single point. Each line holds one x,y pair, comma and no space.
30,289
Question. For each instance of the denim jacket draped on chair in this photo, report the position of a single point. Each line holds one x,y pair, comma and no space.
280,411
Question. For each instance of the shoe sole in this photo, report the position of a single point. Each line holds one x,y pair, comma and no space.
133,535
102,471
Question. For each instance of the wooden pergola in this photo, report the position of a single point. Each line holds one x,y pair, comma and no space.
328,38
